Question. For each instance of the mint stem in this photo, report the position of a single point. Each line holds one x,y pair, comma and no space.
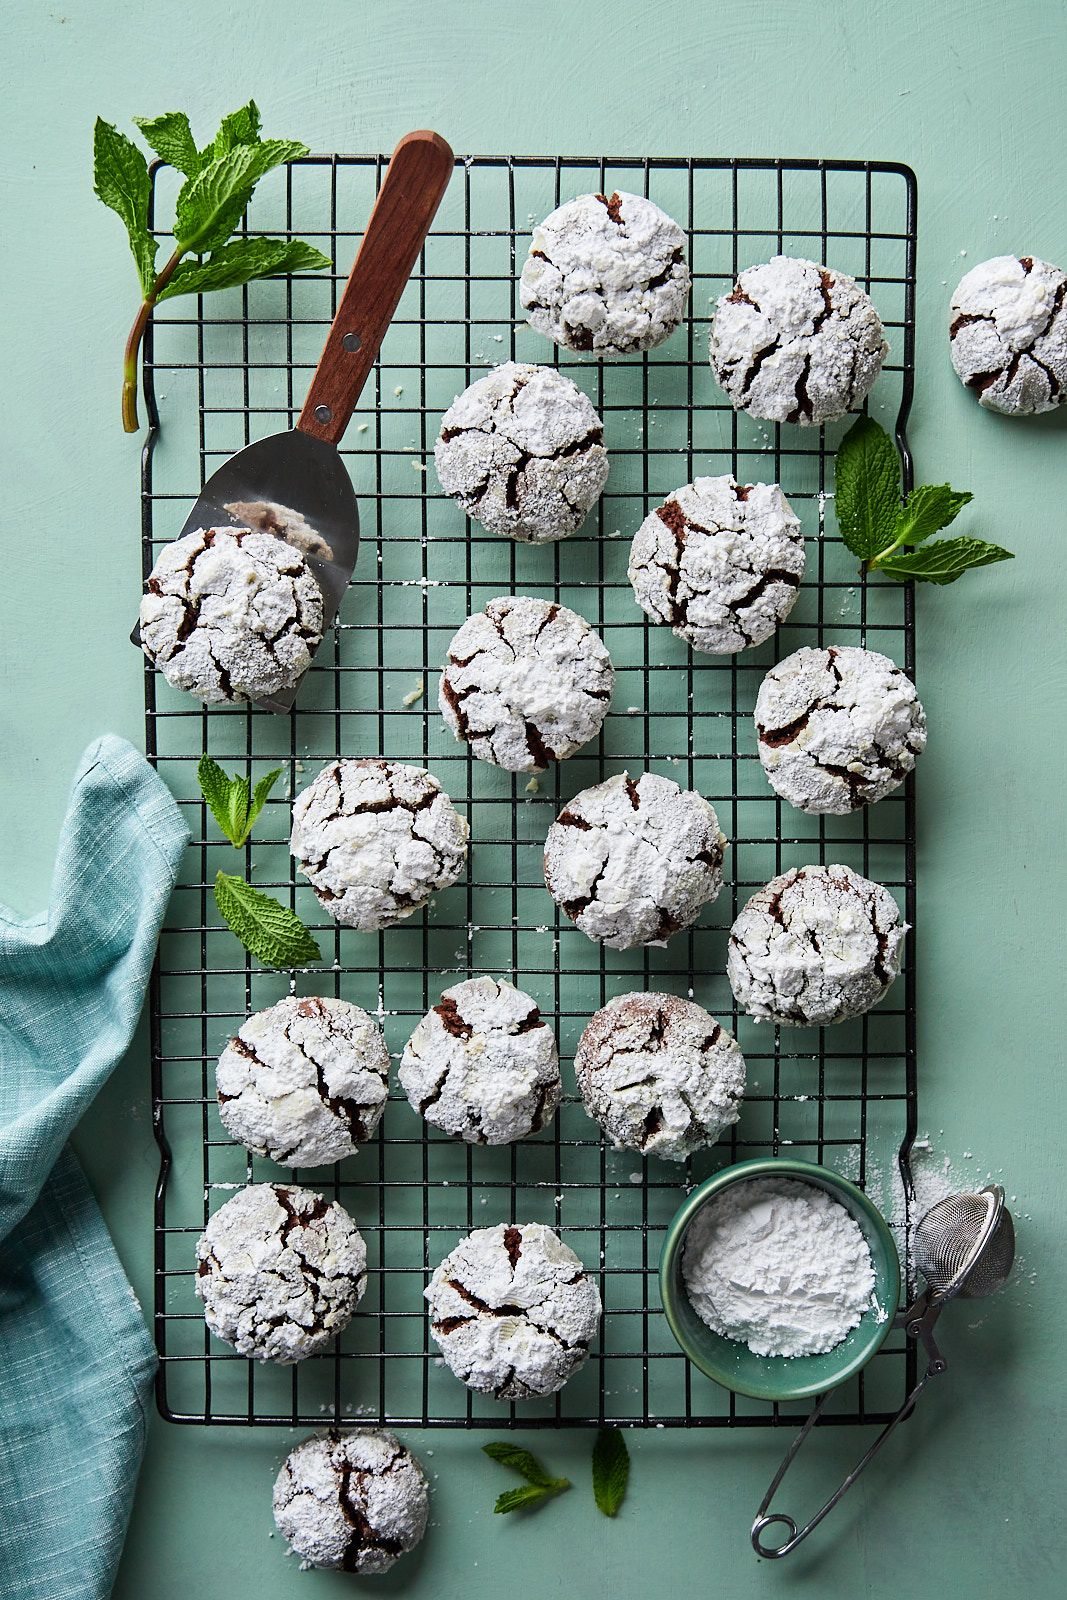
133,345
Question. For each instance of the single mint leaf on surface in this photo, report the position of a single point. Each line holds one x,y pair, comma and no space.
210,205
228,799
267,929
611,1469
240,127
867,488
522,1462
928,509
121,181
514,1499
230,265
263,789
943,561
171,137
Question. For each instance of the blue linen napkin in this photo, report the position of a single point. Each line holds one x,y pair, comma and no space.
76,1361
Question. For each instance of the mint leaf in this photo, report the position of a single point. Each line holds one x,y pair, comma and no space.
211,204
228,799
263,789
867,488
121,181
171,137
928,509
240,127
611,1469
230,265
267,929
522,1462
513,1499
943,561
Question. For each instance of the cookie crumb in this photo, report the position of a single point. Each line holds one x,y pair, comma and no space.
416,693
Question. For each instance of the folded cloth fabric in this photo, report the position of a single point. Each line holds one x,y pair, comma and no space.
76,1362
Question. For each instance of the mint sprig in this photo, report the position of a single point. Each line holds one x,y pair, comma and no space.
539,1483
233,805
219,181
267,929
611,1470
877,525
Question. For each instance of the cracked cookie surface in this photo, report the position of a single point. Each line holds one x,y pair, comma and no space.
513,1311
796,342
230,614
522,451
837,728
1009,334
630,862
280,1271
815,946
526,683
376,839
352,1501
720,562
483,1065
304,1082
606,275
659,1075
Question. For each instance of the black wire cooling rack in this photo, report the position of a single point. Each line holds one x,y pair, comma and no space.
236,367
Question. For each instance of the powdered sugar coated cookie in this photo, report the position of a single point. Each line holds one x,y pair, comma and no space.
720,562
815,946
606,276
632,862
229,614
483,1065
659,1075
375,839
304,1082
513,1311
1009,334
838,728
796,342
354,1501
522,451
527,683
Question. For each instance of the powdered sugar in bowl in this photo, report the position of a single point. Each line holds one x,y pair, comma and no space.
732,1362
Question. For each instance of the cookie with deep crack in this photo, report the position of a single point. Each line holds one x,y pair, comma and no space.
304,1082
659,1075
632,862
376,839
522,451
794,341
353,1501
280,1271
606,275
1009,334
230,614
483,1064
815,946
527,682
838,728
720,562
513,1311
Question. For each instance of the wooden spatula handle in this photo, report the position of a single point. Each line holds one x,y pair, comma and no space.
415,180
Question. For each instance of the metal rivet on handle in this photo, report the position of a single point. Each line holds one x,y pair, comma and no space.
351,342
323,414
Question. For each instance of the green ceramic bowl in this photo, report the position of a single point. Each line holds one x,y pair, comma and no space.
781,1377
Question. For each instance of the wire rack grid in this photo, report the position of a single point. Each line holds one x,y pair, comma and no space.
235,368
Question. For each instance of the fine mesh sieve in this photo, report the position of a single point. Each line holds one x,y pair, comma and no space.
965,1245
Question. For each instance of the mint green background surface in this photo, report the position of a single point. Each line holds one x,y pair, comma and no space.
968,94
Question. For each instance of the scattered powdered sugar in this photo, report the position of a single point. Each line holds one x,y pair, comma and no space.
778,1265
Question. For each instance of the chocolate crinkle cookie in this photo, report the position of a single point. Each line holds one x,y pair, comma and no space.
796,342
632,862
304,1082
513,1311
606,276
280,1271
526,683
376,839
1009,334
522,451
659,1075
483,1065
720,562
354,1501
231,615
817,945
838,728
